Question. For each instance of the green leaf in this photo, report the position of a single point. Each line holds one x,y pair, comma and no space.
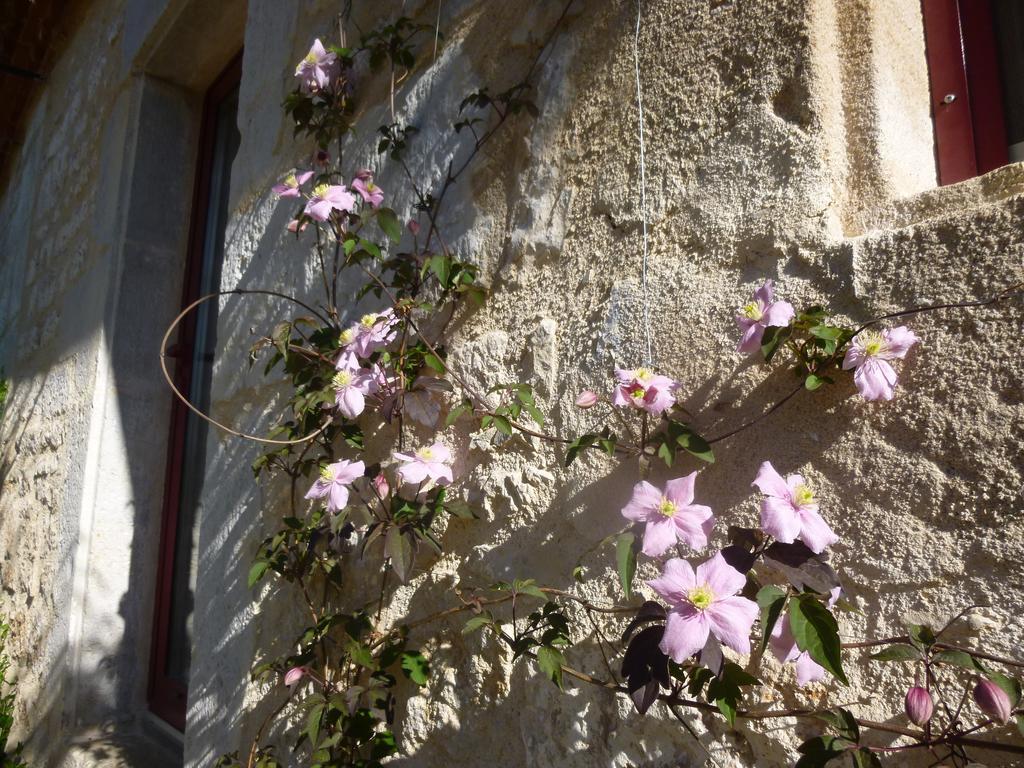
959,659
477,622
416,667
398,547
434,362
465,407
529,588
826,332
502,424
816,631
921,636
898,652
313,723
389,224
577,445
625,554
256,572
1020,724
818,751
695,444
774,336
842,722
550,661
813,382
771,600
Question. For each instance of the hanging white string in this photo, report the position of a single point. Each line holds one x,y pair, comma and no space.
649,358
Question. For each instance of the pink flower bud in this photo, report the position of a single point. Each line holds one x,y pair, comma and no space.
919,705
586,399
380,485
364,174
293,675
413,226
321,157
993,701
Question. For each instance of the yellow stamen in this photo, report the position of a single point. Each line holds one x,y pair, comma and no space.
701,597
752,311
666,508
291,180
346,336
427,454
342,379
873,343
368,321
803,495
643,374
320,190
327,473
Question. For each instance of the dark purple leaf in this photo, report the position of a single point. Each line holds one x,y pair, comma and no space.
649,611
738,557
645,667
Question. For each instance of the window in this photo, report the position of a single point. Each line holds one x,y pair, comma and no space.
975,54
193,353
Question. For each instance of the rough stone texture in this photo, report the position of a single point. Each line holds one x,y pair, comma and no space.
788,140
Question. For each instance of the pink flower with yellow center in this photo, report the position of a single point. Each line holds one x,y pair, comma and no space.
755,317
289,186
789,510
669,515
373,331
328,198
334,481
870,352
351,385
370,192
317,69
704,603
432,462
642,388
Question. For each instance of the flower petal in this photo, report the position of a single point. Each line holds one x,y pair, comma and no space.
680,490
751,339
413,472
659,535
676,580
686,632
722,578
808,670
694,524
875,379
780,313
815,532
781,640
644,502
780,519
770,482
338,497
731,620
900,340
763,295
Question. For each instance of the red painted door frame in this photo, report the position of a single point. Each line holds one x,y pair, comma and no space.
167,697
966,93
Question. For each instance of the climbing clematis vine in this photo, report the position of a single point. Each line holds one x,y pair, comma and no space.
334,481
669,515
644,389
370,192
289,186
432,462
789,510
317,69
869,354
753,318
702,603
328,198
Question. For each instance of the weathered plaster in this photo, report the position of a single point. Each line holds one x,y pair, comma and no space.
788,140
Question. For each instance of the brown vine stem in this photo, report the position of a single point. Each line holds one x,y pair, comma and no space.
1003,294
942,646
170,381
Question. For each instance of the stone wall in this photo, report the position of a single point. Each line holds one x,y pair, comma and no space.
788,140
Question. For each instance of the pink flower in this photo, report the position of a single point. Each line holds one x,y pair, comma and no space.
295,226
380,486
669,515
289,186
334,481
432,462
294,675
586,399
762,312
785,649
644,389
870,352
373,331
328,198
317,69
351,385
789,510
370,192
704,603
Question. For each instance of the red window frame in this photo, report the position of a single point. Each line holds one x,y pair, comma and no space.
167,697
966,92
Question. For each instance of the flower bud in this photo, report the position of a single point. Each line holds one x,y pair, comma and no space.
380,485
586,399
919,705
993,701
293,675
321,157
413,226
